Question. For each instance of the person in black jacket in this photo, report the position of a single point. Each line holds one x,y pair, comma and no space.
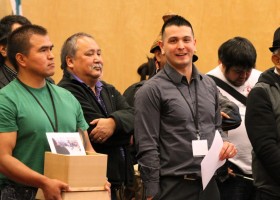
8,24
262,122
110,117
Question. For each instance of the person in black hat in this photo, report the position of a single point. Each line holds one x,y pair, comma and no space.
262,122
276,41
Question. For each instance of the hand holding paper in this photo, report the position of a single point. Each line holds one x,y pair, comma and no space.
211,161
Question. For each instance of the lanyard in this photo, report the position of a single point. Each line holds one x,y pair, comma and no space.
55,127
195,116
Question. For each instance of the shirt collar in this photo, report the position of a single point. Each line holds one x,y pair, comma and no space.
98,84
77,78
98,87
176,77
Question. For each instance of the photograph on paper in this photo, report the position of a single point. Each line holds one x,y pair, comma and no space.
66,143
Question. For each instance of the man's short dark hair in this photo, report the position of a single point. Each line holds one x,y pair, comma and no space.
177,21
19,41
237,52
69,47
6,24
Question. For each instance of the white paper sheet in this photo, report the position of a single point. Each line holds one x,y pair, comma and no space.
211,161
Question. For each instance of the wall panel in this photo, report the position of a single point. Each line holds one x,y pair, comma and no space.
125,30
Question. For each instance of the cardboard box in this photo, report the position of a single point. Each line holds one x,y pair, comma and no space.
77,171
86,175
80,195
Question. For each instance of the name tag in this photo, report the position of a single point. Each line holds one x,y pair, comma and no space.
199,148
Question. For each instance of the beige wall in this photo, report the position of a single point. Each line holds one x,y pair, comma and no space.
5,8
125,29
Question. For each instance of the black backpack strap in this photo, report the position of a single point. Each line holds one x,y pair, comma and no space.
239,97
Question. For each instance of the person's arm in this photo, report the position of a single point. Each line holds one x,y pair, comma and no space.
120,121
88,146
91,110
123,114
104,129
261,126
228,150
147,127
218,115
18,172
230,113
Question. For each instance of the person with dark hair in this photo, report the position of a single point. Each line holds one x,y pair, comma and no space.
105,109
8,24
176,107
262,122
153,65
229,110
235,77
145,69
30,107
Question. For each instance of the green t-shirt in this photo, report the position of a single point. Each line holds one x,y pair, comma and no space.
19,111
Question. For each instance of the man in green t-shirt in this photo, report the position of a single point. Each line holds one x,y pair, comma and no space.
29,108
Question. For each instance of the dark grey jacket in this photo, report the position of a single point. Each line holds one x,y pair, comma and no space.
5,77
262,122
